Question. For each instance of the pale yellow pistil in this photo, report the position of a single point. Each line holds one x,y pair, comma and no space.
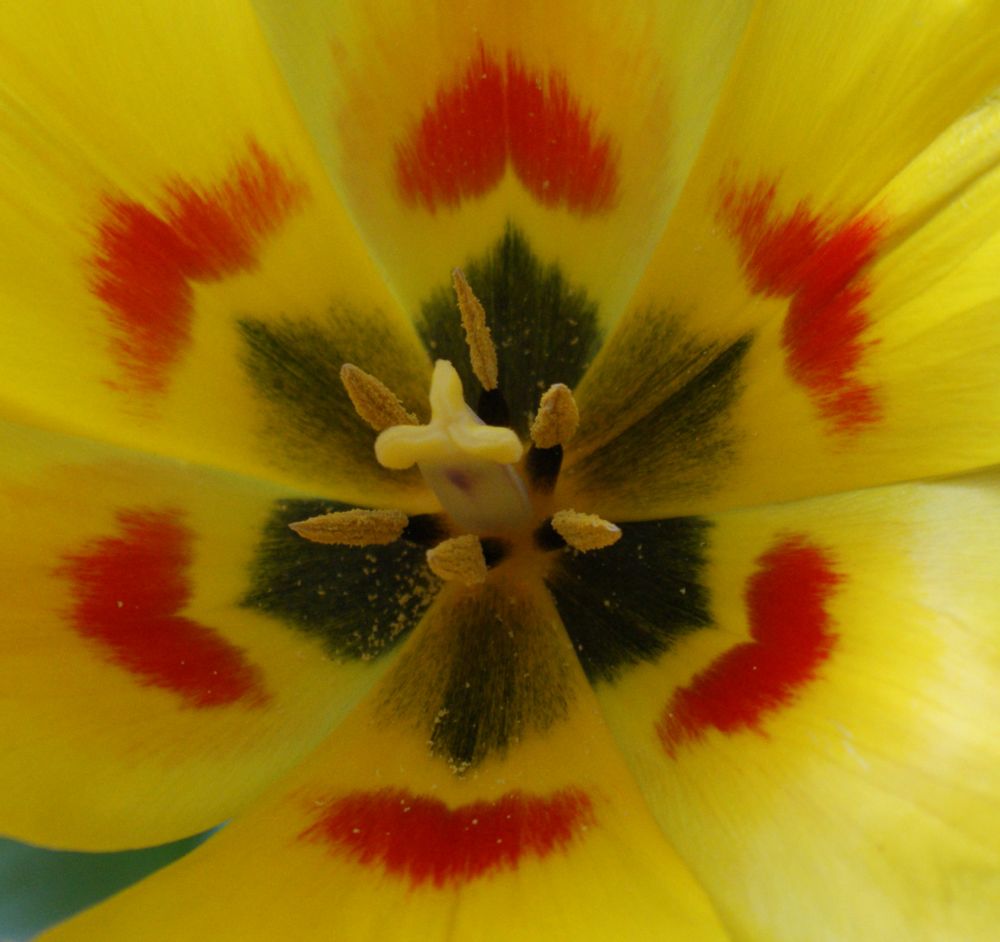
464,461
585,532
354,527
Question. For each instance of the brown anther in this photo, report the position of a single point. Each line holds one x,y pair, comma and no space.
354,527
375,402
585,531
558,418
482,352
459,559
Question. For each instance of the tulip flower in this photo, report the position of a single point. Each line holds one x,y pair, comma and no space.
526,469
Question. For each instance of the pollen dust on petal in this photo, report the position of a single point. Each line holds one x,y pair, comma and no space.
424,841
500,111
819,265
786,599
147,258
128,590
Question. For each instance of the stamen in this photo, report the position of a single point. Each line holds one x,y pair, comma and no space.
354,527
555,424
585,532
459,559
558,418
482,351
374,402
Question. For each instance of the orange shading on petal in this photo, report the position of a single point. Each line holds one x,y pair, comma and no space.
786,602
147,258
819,266
128,591
426,841
496,111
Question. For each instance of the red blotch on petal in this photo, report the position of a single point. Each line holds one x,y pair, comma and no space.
146,259
819,267
425,841
127,592
459,148
786,602
553,148
497,112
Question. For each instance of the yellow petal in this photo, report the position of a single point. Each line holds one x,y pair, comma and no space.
838,98
176,273
376,837
790,341
575,122
170,646
823,754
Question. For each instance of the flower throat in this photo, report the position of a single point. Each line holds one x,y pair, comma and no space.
495,495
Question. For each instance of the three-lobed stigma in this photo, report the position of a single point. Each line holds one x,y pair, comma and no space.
468,464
